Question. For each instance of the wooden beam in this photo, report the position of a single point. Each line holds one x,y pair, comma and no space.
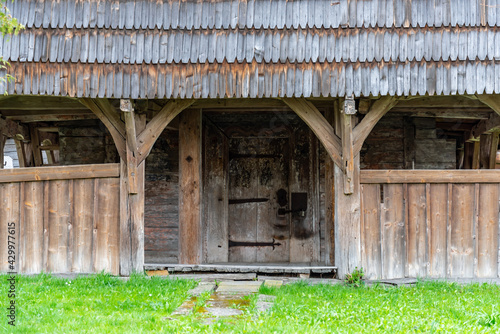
2,147
59,173
429,176
476,155
478,113
155,127
319,125
190,188
348,153
110,118
489,125
52,118
39,103
131,147
35,146
492,101
377,111
493,150
21,153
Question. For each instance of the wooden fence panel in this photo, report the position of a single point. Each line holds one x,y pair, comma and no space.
487,231
430,227
63,224
417,231
438,213
393,232
370,233
9,213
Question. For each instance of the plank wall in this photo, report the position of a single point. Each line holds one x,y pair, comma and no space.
161,207
62,225
431,229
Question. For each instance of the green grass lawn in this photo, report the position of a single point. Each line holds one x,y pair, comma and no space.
103,304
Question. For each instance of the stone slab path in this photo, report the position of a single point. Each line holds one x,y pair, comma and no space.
227,299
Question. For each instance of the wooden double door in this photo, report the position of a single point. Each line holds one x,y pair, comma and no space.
255,173
258,224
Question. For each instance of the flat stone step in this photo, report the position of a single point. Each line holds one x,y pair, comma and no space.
259,268
241,287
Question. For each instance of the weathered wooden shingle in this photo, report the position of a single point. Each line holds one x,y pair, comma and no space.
266,14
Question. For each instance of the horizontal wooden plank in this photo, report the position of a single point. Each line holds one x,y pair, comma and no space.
59,173
430,176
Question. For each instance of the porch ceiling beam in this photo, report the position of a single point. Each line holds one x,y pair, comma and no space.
378,109
10,129
469,113
110,118
319,125
154,128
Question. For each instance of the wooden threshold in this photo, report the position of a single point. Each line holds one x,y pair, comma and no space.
430,176
265,268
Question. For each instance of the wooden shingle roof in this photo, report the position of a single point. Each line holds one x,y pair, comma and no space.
261,48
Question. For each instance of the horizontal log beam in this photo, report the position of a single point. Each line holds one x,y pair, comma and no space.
430,176
59,173
473,113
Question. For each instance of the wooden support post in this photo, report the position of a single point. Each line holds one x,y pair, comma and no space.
476,155
348,153
329,201
468,155
190,224
132,215
493,150
131,147
2,146
21,153
35,146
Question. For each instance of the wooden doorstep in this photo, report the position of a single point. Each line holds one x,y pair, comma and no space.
430,176
243,268
27,174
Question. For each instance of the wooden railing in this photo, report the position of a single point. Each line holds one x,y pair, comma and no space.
430,223
66,218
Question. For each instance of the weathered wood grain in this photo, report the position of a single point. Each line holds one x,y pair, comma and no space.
417,238
393,232
59,226
371,234
10,217
461,247
190,187
487,231
215,194
82,217
437,212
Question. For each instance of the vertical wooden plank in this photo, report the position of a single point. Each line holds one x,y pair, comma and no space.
372,260
45,223
32,229
106,226
190,224
125,233
58,226
329,202
487,231
493,150
83,209
437,210
461,246
417,231
476,155
9,217
393,232
21,153
215,194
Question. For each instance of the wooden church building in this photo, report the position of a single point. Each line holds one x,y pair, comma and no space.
336,133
